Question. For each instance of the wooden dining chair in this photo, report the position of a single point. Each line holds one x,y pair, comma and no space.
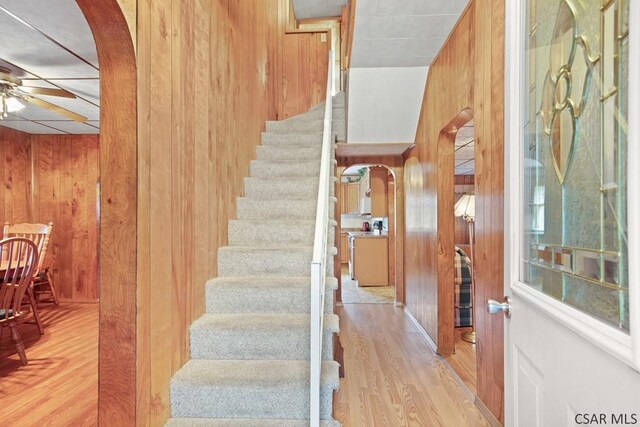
39,234
20,259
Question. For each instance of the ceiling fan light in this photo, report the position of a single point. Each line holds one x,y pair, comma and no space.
14,105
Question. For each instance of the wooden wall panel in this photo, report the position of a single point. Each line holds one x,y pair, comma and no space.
489,228
64,170
465,79
114,35
304,71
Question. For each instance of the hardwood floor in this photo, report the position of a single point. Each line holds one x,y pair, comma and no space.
59,386
463,361
392,377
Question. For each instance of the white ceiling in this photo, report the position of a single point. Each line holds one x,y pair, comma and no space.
49,44
401,33
305,9
394,43
465,150
384,103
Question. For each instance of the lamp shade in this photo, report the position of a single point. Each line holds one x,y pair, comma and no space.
466,207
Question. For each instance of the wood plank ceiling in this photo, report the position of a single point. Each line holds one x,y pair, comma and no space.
49,44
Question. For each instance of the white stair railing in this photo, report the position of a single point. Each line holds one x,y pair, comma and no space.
319,261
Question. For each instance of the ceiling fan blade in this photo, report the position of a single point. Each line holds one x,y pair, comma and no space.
55,108
5,76
47,91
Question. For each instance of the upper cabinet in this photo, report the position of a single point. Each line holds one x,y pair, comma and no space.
378,177
367,196
349,198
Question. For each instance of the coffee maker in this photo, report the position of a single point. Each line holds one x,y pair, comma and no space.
377,227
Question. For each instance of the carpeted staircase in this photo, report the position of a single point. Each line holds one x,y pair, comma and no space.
249,362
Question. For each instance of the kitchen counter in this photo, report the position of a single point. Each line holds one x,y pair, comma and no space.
368,234
368,258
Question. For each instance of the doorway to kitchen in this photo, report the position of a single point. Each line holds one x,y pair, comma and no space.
368,244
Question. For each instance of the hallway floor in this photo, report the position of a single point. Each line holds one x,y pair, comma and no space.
59,386
392,377
354,294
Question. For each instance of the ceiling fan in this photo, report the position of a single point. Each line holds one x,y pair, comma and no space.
13,94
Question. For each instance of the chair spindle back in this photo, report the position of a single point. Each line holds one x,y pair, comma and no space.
16,272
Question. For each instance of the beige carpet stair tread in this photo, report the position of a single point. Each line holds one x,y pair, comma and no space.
250,351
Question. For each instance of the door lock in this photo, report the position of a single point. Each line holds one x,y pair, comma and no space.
494,307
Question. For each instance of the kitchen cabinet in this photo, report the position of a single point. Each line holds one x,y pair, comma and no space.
349,198
372,192
378,182
369,256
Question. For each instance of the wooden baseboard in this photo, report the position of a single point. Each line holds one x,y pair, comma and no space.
421,330
487,413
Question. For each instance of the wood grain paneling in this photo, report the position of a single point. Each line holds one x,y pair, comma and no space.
304,72
118,200
467,75
53,178
16,172
66,182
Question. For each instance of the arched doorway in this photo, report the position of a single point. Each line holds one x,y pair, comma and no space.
118,200
394,230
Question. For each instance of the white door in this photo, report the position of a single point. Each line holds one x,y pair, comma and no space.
572,255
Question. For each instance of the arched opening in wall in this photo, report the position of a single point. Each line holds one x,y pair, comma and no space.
457,261
368,248
68,153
